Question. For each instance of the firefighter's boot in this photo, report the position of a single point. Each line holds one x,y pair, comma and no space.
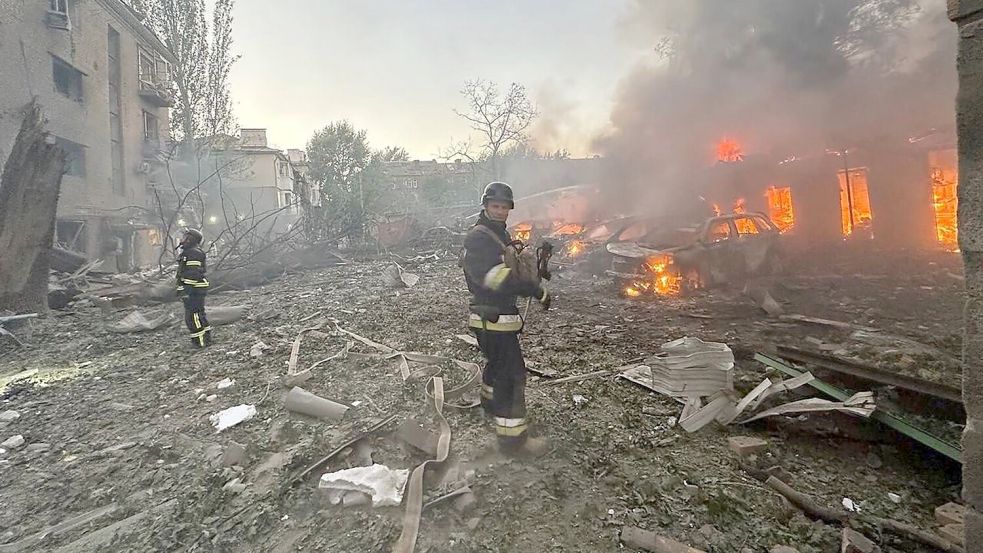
530,448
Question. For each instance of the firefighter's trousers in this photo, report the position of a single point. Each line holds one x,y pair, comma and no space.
194,318
503,385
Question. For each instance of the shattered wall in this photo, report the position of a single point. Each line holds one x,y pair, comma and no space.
969,15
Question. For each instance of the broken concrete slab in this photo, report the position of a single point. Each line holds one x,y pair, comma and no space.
9,416
954,533
227,418
13,442
746,446
301,401
650,541
258,349
38,447
384,484
138,322
950,513
233,454
855,542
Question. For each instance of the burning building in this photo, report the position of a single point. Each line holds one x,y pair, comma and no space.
899,194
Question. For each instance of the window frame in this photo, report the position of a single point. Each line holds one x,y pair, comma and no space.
147,117
75,90
70,147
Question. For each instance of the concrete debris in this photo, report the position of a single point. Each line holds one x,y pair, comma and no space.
9,416
954,533
579,400
650,541
232,416
746,446
860,404
850,505
467,339
355,499
38,447
234,486
783,549
383,484
855,542
138,322
396,277
301,401
13,442
258,349
233,454
225,383
225,314
950,513
895,498
414,434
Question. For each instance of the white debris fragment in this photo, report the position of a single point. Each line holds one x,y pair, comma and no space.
382,483
13,442
895,498
579,399
9,416
232,416
211,398
258,349
850,505
225,383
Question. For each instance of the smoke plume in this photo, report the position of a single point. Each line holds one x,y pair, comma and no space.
780,77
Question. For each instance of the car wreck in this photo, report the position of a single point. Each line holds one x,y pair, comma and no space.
652,258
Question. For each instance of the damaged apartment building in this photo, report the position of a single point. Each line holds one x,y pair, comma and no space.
102,80
897,193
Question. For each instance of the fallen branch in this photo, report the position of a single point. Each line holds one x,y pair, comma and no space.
348,443
812,508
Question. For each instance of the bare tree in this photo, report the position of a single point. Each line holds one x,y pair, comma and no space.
204,57
500,120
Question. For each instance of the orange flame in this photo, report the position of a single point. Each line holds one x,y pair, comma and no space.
567,229
944,201
729,150
716,210
739,206
661,279
575,248
780,207
522,231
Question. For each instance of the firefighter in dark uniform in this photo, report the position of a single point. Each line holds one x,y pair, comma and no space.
496,322
192,287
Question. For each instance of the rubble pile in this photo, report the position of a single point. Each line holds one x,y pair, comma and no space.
308,424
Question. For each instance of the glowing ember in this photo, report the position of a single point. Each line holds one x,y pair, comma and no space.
522,231
716,210
729,150
854,196
744,224
780,207
661,278
944,183
568,229
575,248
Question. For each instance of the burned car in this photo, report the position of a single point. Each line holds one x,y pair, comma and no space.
648,258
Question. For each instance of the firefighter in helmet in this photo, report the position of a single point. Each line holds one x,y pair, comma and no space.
192,286
496,322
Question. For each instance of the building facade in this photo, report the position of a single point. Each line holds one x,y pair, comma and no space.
102,81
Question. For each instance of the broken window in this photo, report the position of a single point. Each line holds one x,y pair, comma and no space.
780,207
68,80
147,68
719,231
745,226
150,128
70,235
75,160
945,179
855,212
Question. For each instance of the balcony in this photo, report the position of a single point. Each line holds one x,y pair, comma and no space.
160,95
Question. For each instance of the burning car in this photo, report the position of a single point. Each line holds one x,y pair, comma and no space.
648,258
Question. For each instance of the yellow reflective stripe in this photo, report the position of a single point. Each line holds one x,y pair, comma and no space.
506,323
192,263
197,321
496,276
514,431
199,334
509,423
197,284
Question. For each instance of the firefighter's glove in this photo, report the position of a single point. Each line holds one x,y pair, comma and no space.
545,298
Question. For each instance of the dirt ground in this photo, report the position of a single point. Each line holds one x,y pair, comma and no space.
125,418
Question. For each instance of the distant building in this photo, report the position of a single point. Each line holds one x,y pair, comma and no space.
102,80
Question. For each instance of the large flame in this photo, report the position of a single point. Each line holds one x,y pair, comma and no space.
661,278
856,196
780,207
944,201
569,229
744,224
729,149
522,231
575,248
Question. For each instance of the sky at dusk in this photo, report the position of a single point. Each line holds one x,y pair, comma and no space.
396,67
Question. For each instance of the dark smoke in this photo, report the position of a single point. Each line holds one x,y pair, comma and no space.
783,77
